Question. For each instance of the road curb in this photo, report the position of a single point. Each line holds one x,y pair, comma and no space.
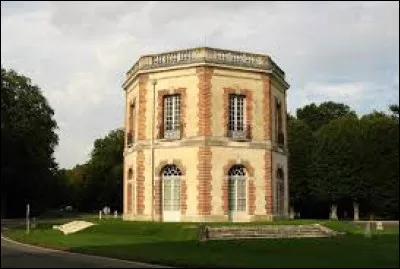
82,254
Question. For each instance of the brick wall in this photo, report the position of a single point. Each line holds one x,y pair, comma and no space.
183,197
225,197
129,196
267,107
204,179
143,79
204,105
158,196
268,182
252,196
140,182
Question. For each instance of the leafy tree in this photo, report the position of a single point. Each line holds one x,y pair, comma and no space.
336,163
300,143
375,115
102,175
395,111
316,116
380,165
28,139
61,189
290,117
76,178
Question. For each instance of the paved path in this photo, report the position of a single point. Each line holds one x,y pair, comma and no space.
17,255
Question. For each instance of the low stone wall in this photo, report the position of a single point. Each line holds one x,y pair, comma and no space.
385,223
266,231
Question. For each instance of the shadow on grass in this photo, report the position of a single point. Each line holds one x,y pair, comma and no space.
345,251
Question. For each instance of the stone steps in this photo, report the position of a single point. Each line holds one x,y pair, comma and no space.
269,231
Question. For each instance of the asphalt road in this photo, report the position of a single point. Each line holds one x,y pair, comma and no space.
16,255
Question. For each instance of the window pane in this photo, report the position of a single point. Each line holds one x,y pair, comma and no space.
236,112
241,205
241,188
167,113
231,195
237,188
171,112
167,190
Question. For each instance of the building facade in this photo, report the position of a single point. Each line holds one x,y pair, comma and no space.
206,137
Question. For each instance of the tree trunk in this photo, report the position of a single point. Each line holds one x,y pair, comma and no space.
356,211
333,213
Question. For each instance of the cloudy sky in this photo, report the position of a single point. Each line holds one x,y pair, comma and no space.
78,52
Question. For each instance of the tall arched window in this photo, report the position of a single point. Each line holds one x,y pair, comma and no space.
280,192
171,188
131,124
130,191
237,188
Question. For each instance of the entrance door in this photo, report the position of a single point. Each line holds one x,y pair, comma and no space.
171,194
237,193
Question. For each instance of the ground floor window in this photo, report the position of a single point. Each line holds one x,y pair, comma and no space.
171,188
237,188
280,192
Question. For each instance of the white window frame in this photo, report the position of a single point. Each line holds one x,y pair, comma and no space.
172,114
237,112
237,190
131,184
171,189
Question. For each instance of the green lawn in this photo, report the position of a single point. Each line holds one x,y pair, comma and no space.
176,244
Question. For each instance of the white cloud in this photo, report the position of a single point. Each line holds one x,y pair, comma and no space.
78,52
339,91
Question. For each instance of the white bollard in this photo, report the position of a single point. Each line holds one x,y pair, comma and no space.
99,214
33,224
27,218
367,231
291,213
379,226
115,214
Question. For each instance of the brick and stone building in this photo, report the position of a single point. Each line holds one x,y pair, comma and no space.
206,137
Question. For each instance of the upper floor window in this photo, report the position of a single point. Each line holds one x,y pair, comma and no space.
237,116
172,115
131,124
278,122
130,174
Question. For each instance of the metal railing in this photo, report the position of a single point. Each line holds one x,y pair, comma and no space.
171,132
240,133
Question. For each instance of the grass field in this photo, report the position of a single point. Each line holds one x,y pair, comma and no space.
176,244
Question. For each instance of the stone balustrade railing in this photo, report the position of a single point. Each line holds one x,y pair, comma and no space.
207,55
